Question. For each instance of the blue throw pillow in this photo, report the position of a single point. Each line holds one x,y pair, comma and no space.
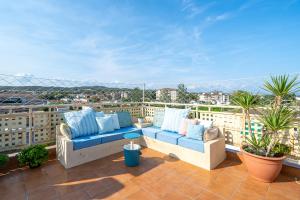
105,124
124,119
195,132
158,117
115,120
81,123
99,114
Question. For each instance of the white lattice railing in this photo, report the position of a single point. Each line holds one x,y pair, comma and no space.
229,119
24,125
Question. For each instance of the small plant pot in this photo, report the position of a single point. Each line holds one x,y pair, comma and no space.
140,120
265,169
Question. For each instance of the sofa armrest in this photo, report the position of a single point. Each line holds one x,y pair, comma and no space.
215,149
64,146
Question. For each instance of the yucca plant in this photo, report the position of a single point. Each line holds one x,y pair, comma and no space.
247,101
281,87
276,119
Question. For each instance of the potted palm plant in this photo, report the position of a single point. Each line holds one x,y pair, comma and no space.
247,101
264,156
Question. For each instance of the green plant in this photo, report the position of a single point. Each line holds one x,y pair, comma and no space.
247,101
281,86
33,156
3,159
276,119
259,146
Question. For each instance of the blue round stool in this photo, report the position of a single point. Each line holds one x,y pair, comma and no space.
132,151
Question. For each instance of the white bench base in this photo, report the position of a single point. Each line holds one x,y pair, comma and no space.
214,151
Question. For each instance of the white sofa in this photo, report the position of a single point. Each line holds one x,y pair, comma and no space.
213,155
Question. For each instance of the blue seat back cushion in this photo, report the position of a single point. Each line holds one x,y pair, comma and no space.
124,119
105,124
81,122
158,117
195,132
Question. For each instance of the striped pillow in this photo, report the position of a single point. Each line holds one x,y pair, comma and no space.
81,123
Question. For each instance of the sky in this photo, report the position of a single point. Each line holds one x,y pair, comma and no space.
163,42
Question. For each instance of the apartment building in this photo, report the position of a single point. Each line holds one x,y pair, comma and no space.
170,93
214,97
17,129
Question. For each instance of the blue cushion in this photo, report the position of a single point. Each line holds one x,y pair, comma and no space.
81,122
151,131
92,140
193,144
124,119
158,117
86,141
105,124
195,131
167,136
118,134
172,118
115,120
99,114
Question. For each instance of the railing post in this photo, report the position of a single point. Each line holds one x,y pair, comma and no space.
144,87
30,127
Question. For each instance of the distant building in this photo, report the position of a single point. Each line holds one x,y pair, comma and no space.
214,98
169,91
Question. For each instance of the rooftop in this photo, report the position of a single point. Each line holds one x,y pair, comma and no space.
158,177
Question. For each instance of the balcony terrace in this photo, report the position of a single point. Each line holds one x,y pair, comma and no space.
159,176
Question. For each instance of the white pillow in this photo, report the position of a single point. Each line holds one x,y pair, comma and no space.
172,119
115,119
206,123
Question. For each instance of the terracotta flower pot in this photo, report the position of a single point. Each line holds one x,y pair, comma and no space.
265,169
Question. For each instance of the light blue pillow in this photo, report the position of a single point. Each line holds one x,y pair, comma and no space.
99,114
124,119
158,117
105,124
115,120
172,118
195,132
81,123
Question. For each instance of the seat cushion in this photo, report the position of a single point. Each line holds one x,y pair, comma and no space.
158,117
151,131
167,136
81,123
193,144
124,119
86,141
118,134
98,139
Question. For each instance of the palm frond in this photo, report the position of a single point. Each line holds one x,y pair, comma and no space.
282,85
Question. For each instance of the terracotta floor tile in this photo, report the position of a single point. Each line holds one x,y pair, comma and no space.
45,193
76,194
251,189
141,195
159,176
206,195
